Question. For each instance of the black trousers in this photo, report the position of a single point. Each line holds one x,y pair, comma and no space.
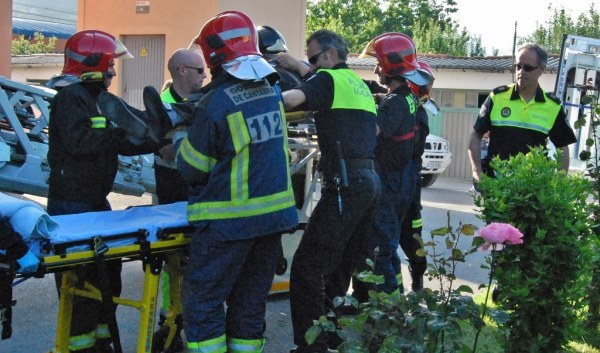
330,241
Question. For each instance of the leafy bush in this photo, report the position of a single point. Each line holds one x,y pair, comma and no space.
539,282
37,45
593,172
417,322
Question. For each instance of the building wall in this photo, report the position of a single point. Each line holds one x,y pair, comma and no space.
34,74
5,36
180,21
458,113
470,80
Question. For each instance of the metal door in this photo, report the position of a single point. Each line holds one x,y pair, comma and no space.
146,69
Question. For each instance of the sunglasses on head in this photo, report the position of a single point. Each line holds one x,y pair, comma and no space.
526,67
313,59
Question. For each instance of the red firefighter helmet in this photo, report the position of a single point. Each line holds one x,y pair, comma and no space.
397,56
230,40
421,91
89,53
227,36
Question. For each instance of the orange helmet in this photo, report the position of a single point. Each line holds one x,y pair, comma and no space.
227,36
88,54
397,56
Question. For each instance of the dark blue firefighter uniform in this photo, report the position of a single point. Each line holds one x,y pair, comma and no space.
413,223
396,117
241,200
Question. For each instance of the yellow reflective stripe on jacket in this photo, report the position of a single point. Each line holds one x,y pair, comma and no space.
98,122
417,223
534,115
87,340
214,345
195,158
286,149
240,203
239,345
240,208
412,104
240,163
102,331
350,91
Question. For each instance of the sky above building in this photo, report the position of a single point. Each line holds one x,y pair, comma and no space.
495,21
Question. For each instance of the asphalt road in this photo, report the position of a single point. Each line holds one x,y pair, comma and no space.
34,316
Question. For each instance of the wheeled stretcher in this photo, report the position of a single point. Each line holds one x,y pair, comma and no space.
149,234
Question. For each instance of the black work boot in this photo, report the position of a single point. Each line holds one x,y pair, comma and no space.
156,111
130,119
417,270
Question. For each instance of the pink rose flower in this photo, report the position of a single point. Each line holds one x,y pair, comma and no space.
500,234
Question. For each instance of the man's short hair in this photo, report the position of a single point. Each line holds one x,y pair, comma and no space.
541,53
329,39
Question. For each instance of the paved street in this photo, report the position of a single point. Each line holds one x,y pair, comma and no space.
34,316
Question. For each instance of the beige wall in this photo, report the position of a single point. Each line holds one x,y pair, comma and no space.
471,80
23,73
181,20
5,36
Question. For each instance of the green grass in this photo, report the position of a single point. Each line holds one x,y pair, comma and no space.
490,337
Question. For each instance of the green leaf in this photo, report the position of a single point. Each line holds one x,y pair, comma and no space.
499,316
468,229
421,252
440,231
457,255
312,333
589,142
464,288
477,242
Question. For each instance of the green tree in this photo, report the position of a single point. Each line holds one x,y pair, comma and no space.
432,37
475,47
359,21
588,24
37,45
550,34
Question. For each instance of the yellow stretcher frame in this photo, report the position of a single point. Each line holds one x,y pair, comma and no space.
152,255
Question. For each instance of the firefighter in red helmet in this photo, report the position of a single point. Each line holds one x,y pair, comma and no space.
234,155
413,223
83,155
397,125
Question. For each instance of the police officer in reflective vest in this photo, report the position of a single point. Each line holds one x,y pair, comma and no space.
521,115
241,199
345,121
